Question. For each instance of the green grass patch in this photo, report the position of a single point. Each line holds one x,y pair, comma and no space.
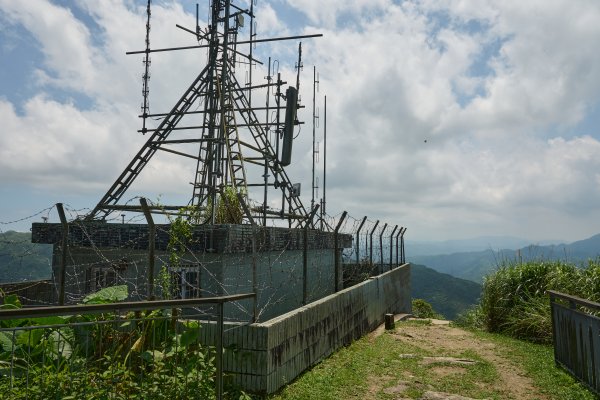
379,368
537,361
369,366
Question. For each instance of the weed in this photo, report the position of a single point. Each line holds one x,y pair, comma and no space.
514,299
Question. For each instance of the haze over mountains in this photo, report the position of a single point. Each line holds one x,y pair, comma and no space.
480,243
475,264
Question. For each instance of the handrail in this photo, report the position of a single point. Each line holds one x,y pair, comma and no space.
574,299
113,307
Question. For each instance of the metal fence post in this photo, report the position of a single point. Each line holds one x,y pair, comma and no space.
305,256
397,252
402,254
151,244
254,279
381,247
392,246
63,258
336,255
305,265
371,243
219,355
358,239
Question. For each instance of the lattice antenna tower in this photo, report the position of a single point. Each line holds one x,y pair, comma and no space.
231,139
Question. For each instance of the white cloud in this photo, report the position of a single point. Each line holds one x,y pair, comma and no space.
402,80
447,116
270,22
64,41
326,13
56,144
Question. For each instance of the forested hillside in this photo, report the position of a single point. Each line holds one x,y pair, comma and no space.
448,295
22,260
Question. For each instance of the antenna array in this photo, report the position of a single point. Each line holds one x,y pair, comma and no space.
226,137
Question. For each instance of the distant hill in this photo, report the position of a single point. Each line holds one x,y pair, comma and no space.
475,265
21,260
448,295
431,248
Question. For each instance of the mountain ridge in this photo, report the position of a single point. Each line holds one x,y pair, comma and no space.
474,265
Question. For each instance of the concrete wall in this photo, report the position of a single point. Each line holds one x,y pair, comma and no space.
279,276
81,260
265,356
280,281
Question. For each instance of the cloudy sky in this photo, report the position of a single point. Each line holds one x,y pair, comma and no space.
455,118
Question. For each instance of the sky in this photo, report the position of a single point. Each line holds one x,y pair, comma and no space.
454,118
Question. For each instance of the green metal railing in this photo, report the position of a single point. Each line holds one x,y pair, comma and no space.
147,350
576,336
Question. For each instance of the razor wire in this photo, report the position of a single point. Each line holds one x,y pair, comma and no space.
376,247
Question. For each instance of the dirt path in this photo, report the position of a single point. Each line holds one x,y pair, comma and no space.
448,343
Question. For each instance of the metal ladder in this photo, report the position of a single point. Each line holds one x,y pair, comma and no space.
260,138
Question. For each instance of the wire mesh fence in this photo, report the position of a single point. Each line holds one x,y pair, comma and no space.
150,350
377,247
285,268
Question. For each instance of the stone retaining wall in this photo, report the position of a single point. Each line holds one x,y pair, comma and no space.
263,357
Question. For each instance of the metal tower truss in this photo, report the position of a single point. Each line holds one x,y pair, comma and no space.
231,139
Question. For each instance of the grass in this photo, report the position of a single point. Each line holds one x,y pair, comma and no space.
369,366
537,360
514,300
514,303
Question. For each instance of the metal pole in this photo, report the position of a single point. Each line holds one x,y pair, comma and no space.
63,258
314,118
221,159
336,255
151,243
305,265
381,247
122,307
203,46
397,253
391,245
240,197
371,243
305,256
324,157
403,255
252,34
358,239
267,129
146,76
219,355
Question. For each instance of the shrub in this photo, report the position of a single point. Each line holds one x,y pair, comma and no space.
514,299
422,309
103,357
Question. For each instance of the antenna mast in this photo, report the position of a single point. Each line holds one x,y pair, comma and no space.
324,157
146,76
314,123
